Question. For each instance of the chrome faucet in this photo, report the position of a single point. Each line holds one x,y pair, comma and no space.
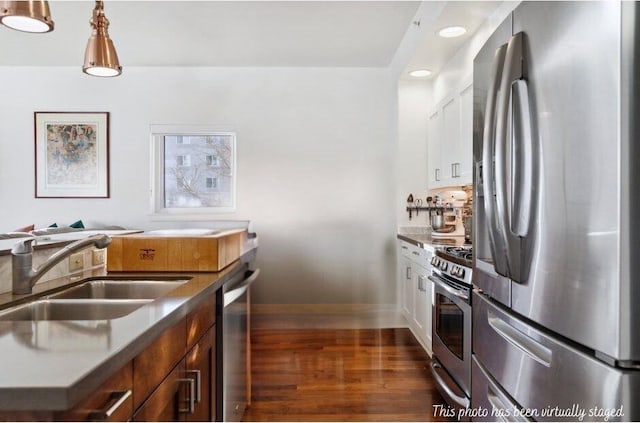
24,276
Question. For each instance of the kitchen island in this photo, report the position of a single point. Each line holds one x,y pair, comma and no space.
50,368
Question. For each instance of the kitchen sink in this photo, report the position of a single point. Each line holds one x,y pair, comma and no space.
119,289
59,309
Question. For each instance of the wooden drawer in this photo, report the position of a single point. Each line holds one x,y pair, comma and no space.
112,401
164,403
152,365
201,319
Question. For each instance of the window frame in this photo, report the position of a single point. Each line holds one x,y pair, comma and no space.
157,200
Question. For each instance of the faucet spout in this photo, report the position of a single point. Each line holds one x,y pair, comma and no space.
24,276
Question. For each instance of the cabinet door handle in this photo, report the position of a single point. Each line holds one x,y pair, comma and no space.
408,272
198,380
191,398
116,399
437,174
453,170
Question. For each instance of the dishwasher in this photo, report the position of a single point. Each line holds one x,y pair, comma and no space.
233,369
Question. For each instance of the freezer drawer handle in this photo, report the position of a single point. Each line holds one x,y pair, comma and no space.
497,403
461,401
529,346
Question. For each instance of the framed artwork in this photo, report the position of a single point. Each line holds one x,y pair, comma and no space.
72,154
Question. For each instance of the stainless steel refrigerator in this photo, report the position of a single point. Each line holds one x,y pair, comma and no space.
556,312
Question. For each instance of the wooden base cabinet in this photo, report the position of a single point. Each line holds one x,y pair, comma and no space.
173,379
201,363
188,392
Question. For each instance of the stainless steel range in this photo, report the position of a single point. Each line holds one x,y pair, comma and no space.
451,362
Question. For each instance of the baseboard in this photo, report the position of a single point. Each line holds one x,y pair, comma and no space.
348,316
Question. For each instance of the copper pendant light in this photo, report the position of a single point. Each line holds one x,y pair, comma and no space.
26,16
100,57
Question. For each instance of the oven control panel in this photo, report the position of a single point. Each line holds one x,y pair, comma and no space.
453,270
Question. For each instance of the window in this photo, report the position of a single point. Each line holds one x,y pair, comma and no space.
195,175
212,183
183,161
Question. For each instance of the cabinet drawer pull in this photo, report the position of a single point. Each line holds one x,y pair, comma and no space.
415,253
191,398
198,380
116,399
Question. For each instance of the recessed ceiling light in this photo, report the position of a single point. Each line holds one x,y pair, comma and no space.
420,73
452,31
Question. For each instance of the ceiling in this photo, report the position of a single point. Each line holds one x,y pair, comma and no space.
434,51
242,33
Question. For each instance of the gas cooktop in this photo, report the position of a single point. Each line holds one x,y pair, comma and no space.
462,255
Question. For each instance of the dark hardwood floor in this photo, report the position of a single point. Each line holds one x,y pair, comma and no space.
340,375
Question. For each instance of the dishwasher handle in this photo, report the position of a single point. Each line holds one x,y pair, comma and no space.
238,290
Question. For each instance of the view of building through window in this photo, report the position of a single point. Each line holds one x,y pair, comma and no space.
198,170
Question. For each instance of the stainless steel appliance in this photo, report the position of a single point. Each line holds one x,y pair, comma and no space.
235,345
556,232
451,324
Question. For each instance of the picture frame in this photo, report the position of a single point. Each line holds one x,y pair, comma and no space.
71,154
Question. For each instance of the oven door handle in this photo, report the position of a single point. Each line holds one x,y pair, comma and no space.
449,289
461,401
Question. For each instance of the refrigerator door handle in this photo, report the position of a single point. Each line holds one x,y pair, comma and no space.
512,72
488,152
522,192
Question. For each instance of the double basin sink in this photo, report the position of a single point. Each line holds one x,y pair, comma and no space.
102,299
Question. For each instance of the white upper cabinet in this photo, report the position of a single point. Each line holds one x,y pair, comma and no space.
433,148
466,134
450,143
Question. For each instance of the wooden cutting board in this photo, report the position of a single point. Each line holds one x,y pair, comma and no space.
174,251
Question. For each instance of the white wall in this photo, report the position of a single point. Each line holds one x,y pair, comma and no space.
413,108
316,166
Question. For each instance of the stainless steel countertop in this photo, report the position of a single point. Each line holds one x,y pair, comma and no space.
51,365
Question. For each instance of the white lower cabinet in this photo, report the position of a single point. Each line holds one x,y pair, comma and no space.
416,291
406,283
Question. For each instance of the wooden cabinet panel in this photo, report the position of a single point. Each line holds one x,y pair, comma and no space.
201,364
201,319
152,365
112,401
